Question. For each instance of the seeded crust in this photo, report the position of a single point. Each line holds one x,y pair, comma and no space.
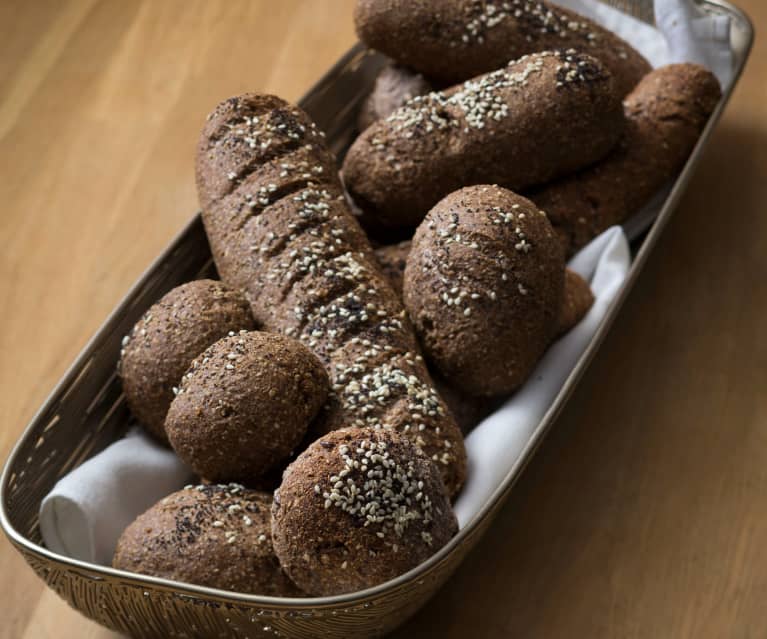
483,287
280,230
392,259
665,115
217,536
163,343
542,116
359,507
576,302
244,404
394,86
453,40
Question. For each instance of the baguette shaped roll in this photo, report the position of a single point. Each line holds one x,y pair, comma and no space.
453,40
540,117
665,115
280,230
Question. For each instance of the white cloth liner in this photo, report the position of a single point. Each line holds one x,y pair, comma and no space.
87,510
495,444
84,514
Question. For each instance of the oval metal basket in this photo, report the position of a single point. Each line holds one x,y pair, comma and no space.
86,412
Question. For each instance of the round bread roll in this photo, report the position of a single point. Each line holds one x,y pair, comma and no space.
357,508
217,536
394,86
245,404
453,40
540,117
483,286
163,343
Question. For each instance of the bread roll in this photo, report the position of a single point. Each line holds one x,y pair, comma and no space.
245,404
217,536
163,343
483,286
281,231
453,40
665,115
540,117
358,507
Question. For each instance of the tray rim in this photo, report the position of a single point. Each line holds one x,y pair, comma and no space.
507,483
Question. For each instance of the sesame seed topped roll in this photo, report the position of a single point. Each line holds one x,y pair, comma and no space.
281,231
540,117
217,536
357,508
483,285
452,40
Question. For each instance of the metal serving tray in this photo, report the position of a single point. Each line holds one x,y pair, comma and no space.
86,412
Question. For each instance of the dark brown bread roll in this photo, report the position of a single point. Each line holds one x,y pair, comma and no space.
280,230
483,287
163,343
665,115
394,86
244,404
453,40
358,507
540,117
576,302
217,536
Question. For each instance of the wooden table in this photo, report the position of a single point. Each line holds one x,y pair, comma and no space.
645,512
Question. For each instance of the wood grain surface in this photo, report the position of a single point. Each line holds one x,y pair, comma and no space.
644,515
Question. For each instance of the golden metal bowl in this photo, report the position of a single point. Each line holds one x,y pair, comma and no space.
86,413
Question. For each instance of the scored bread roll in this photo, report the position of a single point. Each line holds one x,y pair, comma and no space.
453,40
540,117
280,230
665,115
483,286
